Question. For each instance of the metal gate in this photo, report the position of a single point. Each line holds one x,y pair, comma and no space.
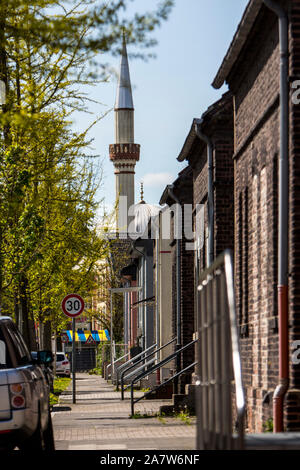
85,358
219,393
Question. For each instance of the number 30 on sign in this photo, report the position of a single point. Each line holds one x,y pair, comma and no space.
72,305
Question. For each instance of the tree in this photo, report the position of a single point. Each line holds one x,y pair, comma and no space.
48,240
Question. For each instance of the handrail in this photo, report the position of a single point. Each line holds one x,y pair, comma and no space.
130,361
219,360
142,367
119,359
146,357
160,385
115,362
158,366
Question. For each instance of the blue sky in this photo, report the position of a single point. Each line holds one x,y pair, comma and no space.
168,92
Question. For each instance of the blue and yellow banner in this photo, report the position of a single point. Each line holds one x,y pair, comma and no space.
82,335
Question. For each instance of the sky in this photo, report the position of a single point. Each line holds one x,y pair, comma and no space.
168,92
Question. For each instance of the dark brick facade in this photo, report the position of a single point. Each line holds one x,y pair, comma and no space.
293,397
254,82
218,126
183,191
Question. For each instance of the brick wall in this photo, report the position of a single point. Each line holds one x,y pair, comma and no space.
293,397
183,191
255,84
218,125
254,81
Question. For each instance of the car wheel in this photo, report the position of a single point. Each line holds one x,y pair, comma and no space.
36,441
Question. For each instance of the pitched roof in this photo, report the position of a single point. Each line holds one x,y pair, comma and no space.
212,111
238,42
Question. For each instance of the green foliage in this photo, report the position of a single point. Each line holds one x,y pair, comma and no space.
50,244
184,416
59,385
268,425
95,371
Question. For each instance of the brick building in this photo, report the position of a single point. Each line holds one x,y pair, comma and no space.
217,125
251,68
182,262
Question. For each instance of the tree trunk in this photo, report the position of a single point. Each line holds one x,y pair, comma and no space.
47,335
27,323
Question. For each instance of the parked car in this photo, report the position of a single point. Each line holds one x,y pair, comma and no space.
38,357
62,364
25,418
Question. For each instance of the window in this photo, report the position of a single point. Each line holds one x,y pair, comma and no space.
5,360
22,354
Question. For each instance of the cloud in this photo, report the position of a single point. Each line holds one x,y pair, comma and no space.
157,179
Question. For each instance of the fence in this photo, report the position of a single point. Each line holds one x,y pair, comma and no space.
220,401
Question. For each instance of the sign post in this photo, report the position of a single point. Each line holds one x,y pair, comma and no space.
72,306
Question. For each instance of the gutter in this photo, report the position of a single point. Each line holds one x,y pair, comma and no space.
157,300
210,188
283,218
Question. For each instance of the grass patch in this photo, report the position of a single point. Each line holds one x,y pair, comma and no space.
139,415
59,385
184,417
161,418
95,371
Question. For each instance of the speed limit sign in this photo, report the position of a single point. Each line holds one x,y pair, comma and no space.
72,305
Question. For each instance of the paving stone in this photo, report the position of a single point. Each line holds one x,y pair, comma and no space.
100,420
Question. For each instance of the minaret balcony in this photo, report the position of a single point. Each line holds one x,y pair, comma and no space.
124,152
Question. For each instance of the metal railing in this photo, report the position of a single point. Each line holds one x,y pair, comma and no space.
111,365
142,367
132,361
115,362
220,424
154,368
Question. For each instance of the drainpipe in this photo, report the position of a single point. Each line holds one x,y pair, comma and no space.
144,320
282,387
178,292
157,299
210,188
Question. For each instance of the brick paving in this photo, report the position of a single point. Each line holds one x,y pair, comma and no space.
100,420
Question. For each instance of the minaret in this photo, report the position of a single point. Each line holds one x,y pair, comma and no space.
124,153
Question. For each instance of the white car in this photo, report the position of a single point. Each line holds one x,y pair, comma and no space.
25,418
62,364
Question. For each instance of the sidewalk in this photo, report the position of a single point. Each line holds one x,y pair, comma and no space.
100,421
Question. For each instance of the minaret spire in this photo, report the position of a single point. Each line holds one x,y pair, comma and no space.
124,153
124,93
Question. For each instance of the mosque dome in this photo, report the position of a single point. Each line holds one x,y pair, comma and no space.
143,213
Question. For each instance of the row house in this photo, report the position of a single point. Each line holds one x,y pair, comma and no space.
176,256
242,176
191,191
260,68
236,152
